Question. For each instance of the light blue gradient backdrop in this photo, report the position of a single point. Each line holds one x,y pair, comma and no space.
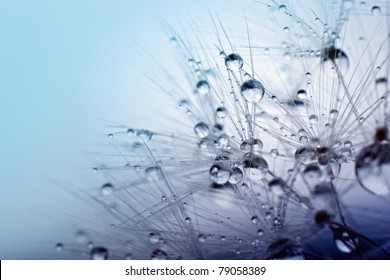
64,67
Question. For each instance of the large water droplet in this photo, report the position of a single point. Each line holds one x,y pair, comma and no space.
252,91
376,10
234,62
257,145
301,94
201,130
219,173
345,241
99,253
372,168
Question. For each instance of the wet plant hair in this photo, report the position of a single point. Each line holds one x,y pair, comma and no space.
280,150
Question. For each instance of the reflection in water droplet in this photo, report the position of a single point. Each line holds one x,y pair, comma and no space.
219,173
252,91
203,87
234,62
372,168
201,130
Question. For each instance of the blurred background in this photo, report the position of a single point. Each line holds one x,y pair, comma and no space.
66,73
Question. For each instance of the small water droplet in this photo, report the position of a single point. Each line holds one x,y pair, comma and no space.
221,112
255,166
277,186
282,8
59,247
202,238
203,87
234,62
255,219
301,94
305,155
260,232
107,189
246,147
99,253
201,130
376,11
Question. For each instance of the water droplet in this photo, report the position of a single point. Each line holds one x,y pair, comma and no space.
337,57
246,147
234,62
381,85
221,112
107,189
110,135
236,175
274,153
282,8
188,220
152,173
223,141
154,238
201,130
277,186
257,145
301,94
252,91
346,242
312,173
286,29
203,87
260,232
219,173
255,219
128,256
202,238
372,168
376,10
59,247
313,119
256,166
159,254
99,253
305,155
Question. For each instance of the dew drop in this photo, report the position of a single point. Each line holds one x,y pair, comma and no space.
381,85
260,232
312,173
203,87
202,238
305,155
313,119
277,186
154,238
236,175
256,166
234,62
282,8
301,94
201,130
257,145
274,153
59,247
219,173
344,241
107,189
159,254
99,253
246,147
372,168
254,219
221,112
376,10
252,91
